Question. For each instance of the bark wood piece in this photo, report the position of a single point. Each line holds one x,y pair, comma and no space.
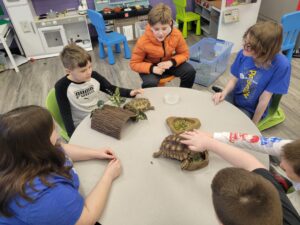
179,125
110,119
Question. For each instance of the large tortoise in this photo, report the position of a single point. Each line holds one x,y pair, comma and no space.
139,106
171,147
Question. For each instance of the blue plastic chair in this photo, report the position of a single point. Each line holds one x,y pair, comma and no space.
291,28
108,39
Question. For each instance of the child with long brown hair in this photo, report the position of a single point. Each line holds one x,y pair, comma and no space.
258,72
37,182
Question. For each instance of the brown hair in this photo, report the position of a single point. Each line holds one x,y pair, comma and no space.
27,153
291,152
161,13
265,39
242,197
73,56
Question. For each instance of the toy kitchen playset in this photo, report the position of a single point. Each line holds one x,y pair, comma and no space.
46,35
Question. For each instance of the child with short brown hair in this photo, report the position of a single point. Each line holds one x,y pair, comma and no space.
246,196
77,93
243,197
162,51
258,72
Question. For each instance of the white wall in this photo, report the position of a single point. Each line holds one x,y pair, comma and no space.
279,8
234,32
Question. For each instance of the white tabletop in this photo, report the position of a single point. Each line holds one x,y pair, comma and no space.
155,191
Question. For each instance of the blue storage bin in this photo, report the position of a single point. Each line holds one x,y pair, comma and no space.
209,57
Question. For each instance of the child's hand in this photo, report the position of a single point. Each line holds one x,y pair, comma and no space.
135,92
113,169
158,70
196,140
165,65
218,97
107,153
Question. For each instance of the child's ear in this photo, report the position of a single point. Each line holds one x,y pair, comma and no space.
68,71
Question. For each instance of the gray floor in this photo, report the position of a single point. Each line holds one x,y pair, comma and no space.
36,78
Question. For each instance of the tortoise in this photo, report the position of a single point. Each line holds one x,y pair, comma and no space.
171,147
139,106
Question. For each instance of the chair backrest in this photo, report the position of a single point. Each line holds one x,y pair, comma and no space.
53,108
98,21
291,27
180,7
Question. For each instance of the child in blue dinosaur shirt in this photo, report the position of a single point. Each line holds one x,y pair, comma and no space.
258,72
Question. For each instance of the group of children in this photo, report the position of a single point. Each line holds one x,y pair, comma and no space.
39,185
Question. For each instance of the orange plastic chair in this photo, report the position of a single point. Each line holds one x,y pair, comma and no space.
164,81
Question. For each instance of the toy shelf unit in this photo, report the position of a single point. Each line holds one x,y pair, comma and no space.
123,15
123,4
210,14
128,26
209,57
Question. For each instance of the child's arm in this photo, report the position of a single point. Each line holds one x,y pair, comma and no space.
268,145
78,153
220,96
235,156
137,62
261,107
182,52
96,200
64,107
108,88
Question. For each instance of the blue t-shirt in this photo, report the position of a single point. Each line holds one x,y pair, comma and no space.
253,81
58,205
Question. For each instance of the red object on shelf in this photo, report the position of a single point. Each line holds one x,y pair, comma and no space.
298,7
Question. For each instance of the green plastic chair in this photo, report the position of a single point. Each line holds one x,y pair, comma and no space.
275,114
291,29
186,17
52,106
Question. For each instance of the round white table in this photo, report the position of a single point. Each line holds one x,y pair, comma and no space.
155,191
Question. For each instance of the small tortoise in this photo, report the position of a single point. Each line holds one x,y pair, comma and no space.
171,147
139,106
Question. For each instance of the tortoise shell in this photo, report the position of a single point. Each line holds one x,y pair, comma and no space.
138,105
171,147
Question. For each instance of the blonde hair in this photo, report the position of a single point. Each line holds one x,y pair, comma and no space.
242,197
265,38
73,56
161,13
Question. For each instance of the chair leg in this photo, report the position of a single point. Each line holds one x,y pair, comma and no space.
118,48
127,52
189,25
198,28
289,54
184,30
101,51
111,59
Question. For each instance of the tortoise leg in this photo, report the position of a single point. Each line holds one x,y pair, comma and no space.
194,165
157,154
185,164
